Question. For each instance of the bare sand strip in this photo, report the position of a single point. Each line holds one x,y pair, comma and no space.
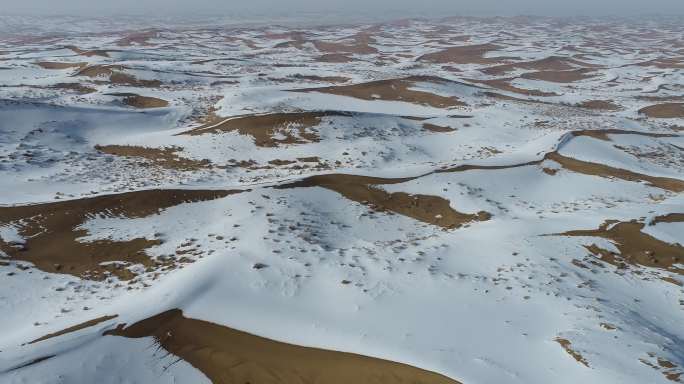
271,130
428,209
142,102
603,134
58,65
566,345
50,232
635,247
467,54
166,157
74,328
552,63
229,356
664,111
393,90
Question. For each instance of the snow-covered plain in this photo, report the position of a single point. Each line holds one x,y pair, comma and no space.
482,113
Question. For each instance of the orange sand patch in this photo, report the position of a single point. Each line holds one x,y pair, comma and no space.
603,105
468,54
142,102
138,38
87,53
79,88
58,65
166,157
635,247
664,111
428,209
595,169
669,218
271,130
51,232
560,76
115,75
229,356
566,345
334,58
74,328
393,90
505,85
353,48
603,134
553,63
437,128
322,79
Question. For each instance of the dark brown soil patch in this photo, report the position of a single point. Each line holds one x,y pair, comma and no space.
553,63
669,218
334,58
437,128
58,65
312,159
584,167
663,63
468,54
602,105
392,90
77,87
293,128
505,85
635,246
428,209
470,167
354,48
74,328
138,38
595,169
322,79
87,53
664,111
142,102
115,75
228,356
566,344
603,134
166,157
560,76
279,162
50,232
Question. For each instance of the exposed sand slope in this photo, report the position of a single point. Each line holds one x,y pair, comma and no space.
51,232
229,356
393,90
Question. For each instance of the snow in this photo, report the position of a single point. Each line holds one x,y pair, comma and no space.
481,303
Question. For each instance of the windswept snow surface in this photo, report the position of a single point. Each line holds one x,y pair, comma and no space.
440,193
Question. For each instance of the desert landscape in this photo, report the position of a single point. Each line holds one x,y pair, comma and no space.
422,200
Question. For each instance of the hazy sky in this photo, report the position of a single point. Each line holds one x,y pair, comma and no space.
361,7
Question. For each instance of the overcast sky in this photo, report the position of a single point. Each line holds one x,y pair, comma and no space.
360,7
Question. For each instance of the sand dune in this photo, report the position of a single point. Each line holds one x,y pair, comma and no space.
226,355
295,128
635,246
393,90
664,111
51,232
467,54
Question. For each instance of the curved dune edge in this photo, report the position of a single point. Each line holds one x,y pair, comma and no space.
399,89
226,355
142,102
664,111
55,226
74,328
428,209
635,247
